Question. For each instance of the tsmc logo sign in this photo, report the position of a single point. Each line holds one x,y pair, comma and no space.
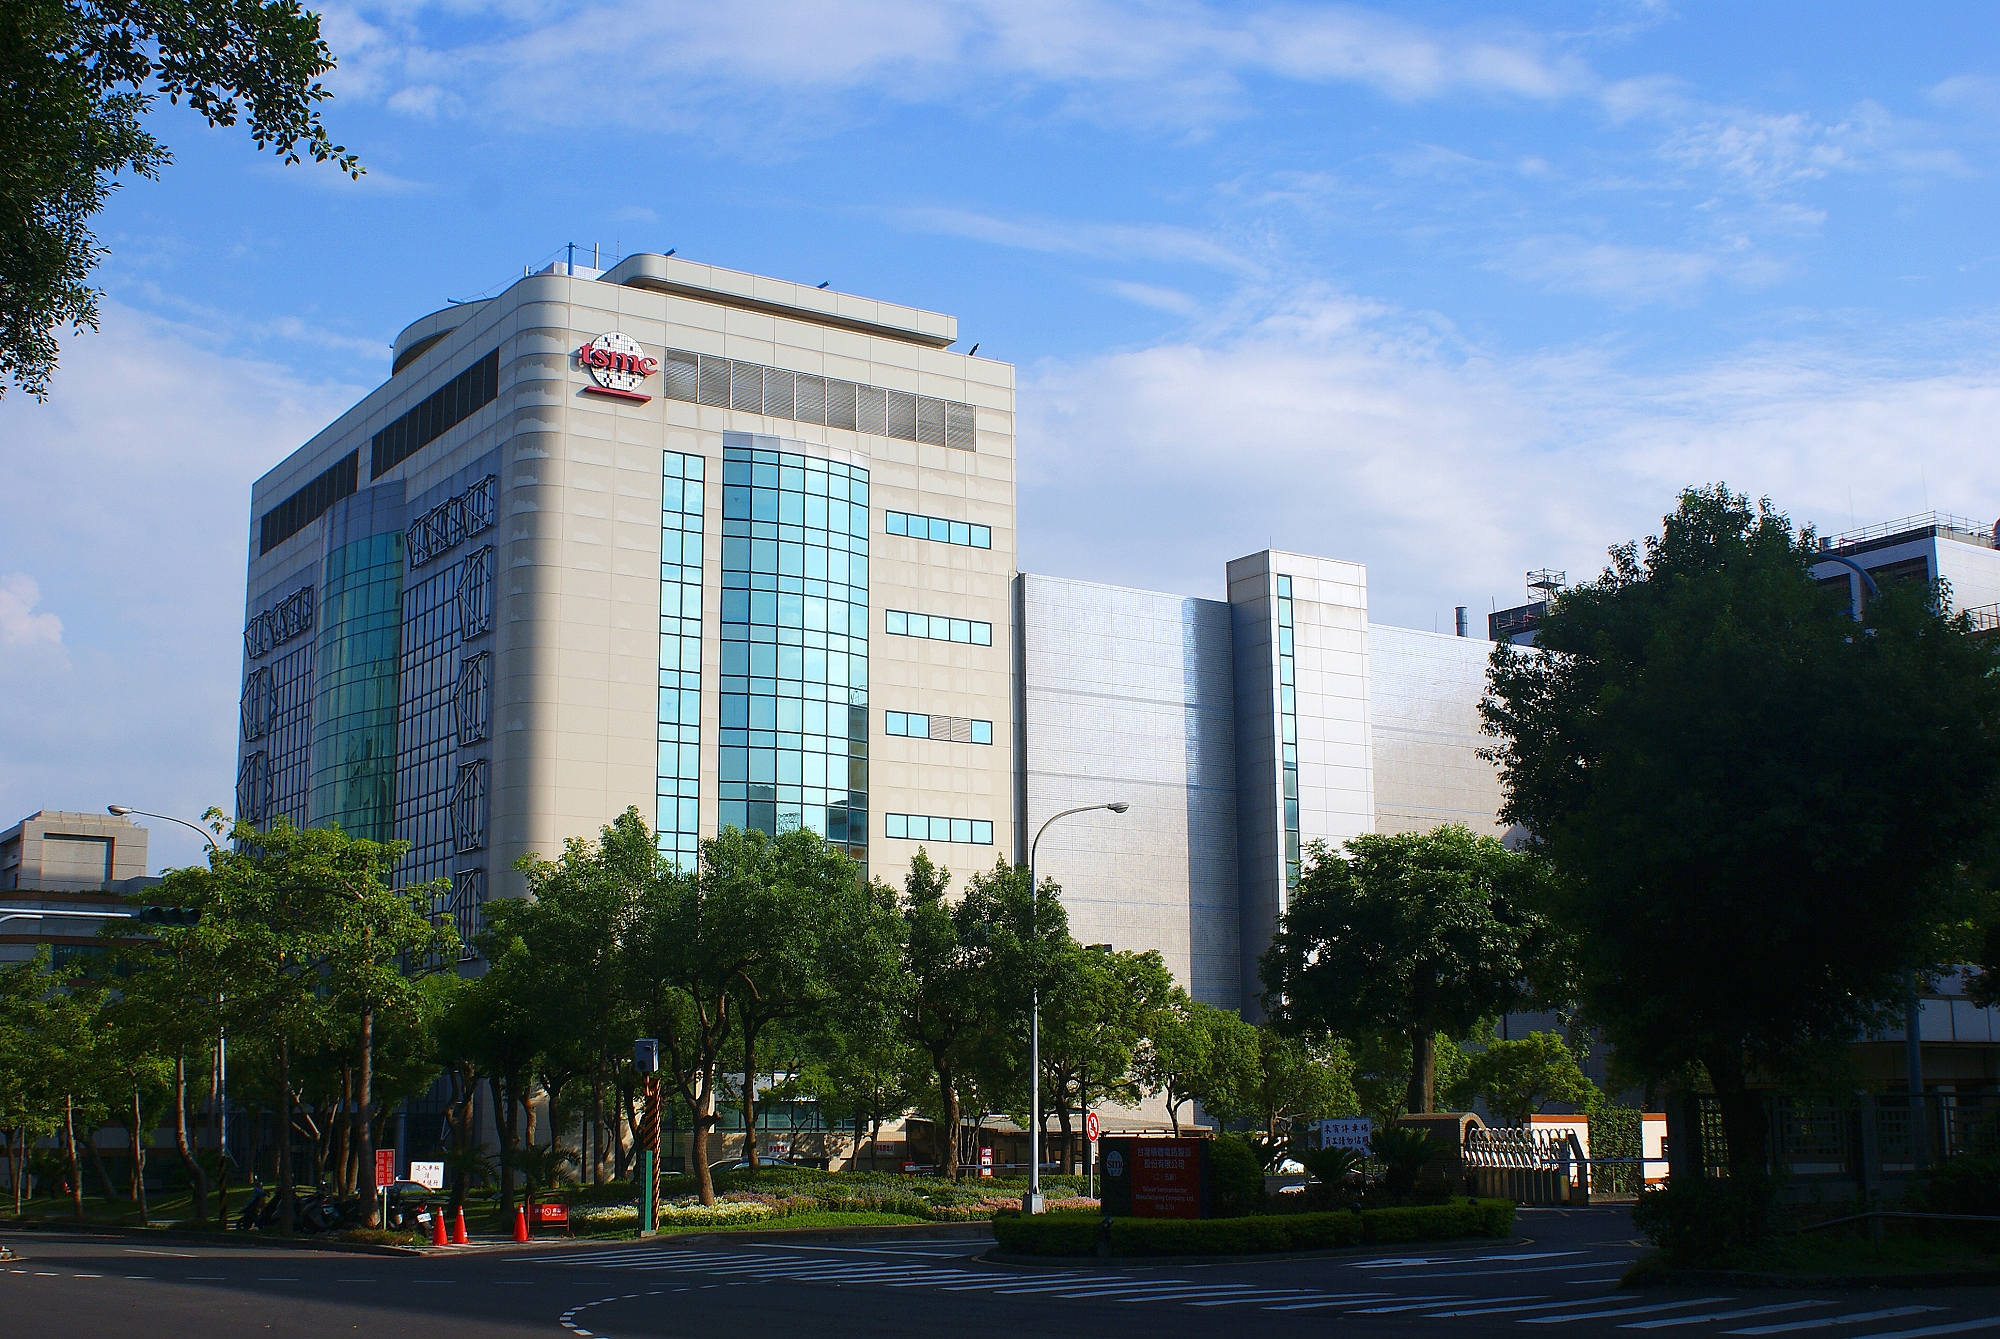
617,366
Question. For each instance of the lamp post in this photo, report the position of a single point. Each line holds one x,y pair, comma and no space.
1034,1201
221,1033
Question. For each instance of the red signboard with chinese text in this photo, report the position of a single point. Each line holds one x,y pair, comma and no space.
1166,1177
385,1166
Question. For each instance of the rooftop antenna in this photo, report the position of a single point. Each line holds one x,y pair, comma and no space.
974,353
569,266
827,282
1543,583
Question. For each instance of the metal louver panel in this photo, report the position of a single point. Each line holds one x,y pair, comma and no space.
809,401
683,375
961,431
253,788
468,807
746,387
777,392
901,420
475,594
930,421
715,381
258,695
840,404
871,409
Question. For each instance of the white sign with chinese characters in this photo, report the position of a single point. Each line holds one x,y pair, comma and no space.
430,1175
1347,1132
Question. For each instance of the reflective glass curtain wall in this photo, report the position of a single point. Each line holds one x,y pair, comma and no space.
680,658
794,694
360,654
1288,723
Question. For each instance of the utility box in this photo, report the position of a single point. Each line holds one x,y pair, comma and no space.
1156,1178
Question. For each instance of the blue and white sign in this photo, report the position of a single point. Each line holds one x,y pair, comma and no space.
1346,1132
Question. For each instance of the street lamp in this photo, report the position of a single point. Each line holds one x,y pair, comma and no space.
222,1033
1034,1201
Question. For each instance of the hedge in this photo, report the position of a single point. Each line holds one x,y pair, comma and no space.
1077,1233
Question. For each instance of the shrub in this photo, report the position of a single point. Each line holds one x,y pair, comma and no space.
1403,1151
1235,1176
682,1215
1964,1183
1332,1167
1709,1222
1438,1222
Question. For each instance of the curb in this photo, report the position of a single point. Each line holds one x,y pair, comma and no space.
1000,1257
1729,1278
252,1239
885,1232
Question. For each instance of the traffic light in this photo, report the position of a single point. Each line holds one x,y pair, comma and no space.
169,915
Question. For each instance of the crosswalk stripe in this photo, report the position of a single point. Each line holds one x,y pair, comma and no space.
1768,1309
1078,1283
1426,1306
1498,1310
1502,1273
1308,1306
1823,1322
1959,1327
1220,1290
1301,1296
1116,1289
1412,1261
1598,1313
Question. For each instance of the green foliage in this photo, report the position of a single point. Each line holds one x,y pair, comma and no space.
1203,1054
1403,1152
1963,1183
1334,1167
1617,1132
1708,1222
1759,811
1300,1079
1416,934
78,80
1518,1077
1235,1175
1065,1234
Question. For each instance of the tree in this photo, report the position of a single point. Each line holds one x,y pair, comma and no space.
1199,1053
1299,1078
825,937
1097,1006
941,995
1518,1077
77,81
1760,810
1417,933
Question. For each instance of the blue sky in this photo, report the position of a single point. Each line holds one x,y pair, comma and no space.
1454,290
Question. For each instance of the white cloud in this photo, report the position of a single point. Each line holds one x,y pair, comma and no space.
20,626
1150,295
129,505
1175,63
1635,274
1115,241
1338,427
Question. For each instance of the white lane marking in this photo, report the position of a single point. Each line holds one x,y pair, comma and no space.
1308,1306
1113,1291
1426,1306
99,1276
1822,1322
1239,1295
1498,1310
1412,1261
1621,1311
178,1255
129,1276
1769,1309
1009,1281
1102,1279
1502,1273
1303,1296
885,1250
1985,1323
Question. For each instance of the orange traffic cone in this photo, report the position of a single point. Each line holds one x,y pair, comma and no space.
458,1237
520,1223
437,1226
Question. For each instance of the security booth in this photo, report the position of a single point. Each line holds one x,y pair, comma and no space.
1156,1178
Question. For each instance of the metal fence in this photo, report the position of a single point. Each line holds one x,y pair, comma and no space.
1527,1166
1858,1144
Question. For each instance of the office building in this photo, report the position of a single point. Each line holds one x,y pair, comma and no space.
58,870
742,551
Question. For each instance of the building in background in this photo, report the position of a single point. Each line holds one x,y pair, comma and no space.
56,870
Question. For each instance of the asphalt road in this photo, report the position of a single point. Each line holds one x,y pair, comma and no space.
1565,1275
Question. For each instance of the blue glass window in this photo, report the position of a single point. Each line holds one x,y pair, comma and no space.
901,623
679,794
1288,723
924,828
794,691
938,530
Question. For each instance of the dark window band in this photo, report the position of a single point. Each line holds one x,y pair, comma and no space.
307,505
702,378
439,412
